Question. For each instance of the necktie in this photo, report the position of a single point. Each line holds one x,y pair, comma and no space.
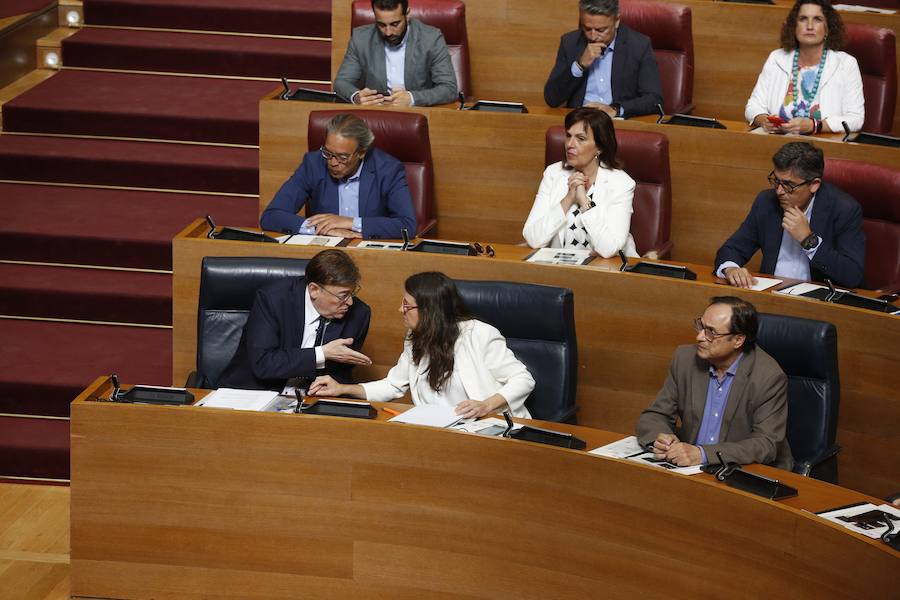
320,331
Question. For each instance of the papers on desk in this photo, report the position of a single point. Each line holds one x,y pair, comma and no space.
380,245
858,8
560,256
864,518
490,426
259,400
802,288
629,449
432,415
298,239
764,283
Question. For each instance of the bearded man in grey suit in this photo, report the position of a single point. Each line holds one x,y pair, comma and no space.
397,61
729,396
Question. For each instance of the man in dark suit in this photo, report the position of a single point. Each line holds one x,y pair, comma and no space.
397,61
807,229
729,396
349,188
604,64
303,327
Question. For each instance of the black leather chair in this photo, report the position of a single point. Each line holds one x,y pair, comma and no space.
227,289
806,350
538,322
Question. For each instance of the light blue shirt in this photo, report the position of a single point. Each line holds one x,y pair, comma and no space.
394,61
793,260
714,411
348,198
599,77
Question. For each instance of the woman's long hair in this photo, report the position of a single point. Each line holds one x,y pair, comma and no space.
441,308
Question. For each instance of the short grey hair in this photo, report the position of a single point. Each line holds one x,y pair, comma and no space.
599,7
350,126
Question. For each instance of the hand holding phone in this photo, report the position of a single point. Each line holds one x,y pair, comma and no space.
775,120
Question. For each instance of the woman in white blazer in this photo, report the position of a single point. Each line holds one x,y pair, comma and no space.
584,201
448,358
808,85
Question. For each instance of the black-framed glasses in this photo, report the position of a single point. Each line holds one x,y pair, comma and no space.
405,308
341,158
787,186
343,297
708,332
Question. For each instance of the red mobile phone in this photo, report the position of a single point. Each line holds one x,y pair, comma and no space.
776,120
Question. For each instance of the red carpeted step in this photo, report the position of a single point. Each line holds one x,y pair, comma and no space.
198,109
283,17
46,364
85,294
199,53
32,447
11,8
133,164
95,226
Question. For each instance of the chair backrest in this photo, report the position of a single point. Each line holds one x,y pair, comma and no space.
538,322
405,137
227,289
645,157
806,350
669,28
877,189
447,15
875,50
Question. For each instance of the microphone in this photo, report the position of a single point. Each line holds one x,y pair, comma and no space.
846,131
299,394
287,89
832,292
662,113
405,235
623,259
727,467
212,227
114,396
509,423
462,101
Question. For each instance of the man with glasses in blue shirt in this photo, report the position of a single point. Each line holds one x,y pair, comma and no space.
723,397
301,327
349,188
806,228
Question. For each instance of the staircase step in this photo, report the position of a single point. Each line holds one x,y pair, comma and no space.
85,294
198,53
96,226
11,8
34,447
279,17
47,364
167,166
198,109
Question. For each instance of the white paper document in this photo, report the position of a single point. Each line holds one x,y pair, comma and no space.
560,256
800,289
764,283
865,518
260,400
489,426
380,245
629,449
309,240
858,8
432,415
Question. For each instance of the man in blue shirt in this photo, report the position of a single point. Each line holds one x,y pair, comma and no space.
349,188
605,65
723,395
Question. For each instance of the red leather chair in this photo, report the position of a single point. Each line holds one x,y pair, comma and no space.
877,189
645,156
874,50
447,15
669,28
405,137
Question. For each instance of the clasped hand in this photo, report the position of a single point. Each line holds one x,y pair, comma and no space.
578,183
331,224
667,447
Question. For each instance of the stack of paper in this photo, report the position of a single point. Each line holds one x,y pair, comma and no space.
629,449
864,518
260,400
432,415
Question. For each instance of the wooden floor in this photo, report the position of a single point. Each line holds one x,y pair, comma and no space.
34,542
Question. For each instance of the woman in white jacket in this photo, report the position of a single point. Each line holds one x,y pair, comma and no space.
448,358
584,201
808,85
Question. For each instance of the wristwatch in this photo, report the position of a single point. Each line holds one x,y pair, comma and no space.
810,242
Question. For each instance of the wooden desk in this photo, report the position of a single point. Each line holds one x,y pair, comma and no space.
185,502
513,45
488,167
628,327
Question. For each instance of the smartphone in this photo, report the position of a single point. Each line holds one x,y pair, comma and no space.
775,120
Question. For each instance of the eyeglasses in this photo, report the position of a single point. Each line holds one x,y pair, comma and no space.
787,186
405,308
344,297
708,332
341,158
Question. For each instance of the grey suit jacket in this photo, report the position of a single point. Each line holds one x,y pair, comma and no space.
428,70
754,429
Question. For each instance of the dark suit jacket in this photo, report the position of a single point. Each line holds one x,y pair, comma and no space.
384,201
635,76
269,352
427,67
754,428
836,218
